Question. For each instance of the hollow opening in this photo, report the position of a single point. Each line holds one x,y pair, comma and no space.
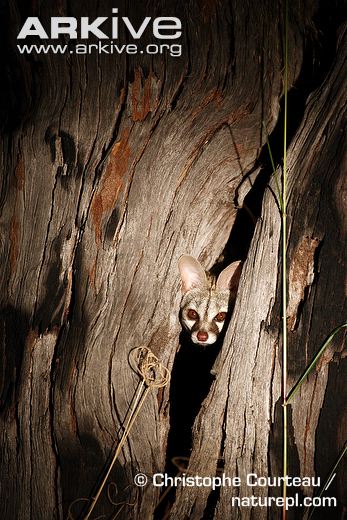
191,375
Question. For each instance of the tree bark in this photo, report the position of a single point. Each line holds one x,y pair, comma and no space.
113,168
245,396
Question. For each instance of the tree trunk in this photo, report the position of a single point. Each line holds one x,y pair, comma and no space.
113,167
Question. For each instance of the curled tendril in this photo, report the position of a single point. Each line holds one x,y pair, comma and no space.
181,463
112,491
70,514
153,373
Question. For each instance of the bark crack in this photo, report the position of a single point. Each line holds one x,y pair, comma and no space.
44,254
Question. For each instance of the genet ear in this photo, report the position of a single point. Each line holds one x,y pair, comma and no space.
192,273
230,276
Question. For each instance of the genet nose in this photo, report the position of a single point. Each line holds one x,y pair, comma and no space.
202,335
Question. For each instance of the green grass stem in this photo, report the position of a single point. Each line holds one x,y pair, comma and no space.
284,270
314,361
282,196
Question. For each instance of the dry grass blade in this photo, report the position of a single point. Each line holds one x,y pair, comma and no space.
154,375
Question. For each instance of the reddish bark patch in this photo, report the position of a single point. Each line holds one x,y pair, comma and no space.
213,96
143,95
111,184
92,274
301,276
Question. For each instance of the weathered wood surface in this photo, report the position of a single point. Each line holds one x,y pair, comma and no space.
245,397
112,168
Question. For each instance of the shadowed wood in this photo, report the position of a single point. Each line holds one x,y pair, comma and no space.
114,167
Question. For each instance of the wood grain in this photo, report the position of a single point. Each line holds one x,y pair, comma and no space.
113,167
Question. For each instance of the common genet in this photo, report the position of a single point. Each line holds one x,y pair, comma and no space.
206,300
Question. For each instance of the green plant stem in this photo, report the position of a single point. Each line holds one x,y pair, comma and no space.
314,361
284,269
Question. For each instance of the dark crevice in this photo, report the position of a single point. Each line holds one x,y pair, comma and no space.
191,380
301,308
211,504
191,375
319,54
178,93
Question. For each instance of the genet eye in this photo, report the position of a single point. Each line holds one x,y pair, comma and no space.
192,314
220,316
